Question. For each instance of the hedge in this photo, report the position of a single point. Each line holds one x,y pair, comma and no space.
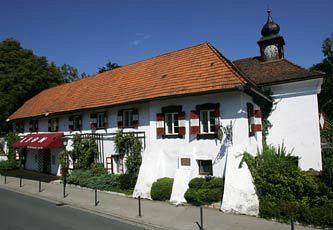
204,190
9,165
161,189
284,191
101,181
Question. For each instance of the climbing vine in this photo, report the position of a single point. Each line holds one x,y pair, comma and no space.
128,145
266,108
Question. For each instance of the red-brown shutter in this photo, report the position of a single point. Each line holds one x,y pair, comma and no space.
217,119
160,130
194,122
93,121
135,114
181,123
120,119
257,120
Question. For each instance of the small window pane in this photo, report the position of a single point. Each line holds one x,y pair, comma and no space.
128,118
205,167
169,123
204,121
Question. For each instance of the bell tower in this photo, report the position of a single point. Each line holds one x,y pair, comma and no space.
271,43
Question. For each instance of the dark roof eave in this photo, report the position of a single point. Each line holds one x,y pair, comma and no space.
236,88
292,80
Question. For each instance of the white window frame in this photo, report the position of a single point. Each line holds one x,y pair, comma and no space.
100,120
54,124
77,117
208,118
172,124
129,122
204,173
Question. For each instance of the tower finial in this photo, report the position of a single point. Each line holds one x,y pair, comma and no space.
270,28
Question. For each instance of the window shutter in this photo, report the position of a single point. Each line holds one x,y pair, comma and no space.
250,116
257,120
93,120
50,128
194,122
217,119
160,131
135,114
71,123
120,119
105,122
181,122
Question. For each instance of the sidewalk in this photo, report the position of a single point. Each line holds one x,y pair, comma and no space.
155,214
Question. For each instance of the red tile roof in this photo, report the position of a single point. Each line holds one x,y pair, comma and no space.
273,72
193,70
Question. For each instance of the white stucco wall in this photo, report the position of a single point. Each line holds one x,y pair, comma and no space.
295,121
161,158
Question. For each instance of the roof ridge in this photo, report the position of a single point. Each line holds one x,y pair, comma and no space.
239,73
301,67
160,55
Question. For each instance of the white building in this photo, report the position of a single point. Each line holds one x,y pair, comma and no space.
176,103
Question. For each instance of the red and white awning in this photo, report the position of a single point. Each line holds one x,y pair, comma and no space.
41,141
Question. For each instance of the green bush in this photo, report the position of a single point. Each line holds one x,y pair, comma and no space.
101,181
161,189
9,165
98,169
285,191
204,190
127,181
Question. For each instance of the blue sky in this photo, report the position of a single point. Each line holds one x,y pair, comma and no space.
86,34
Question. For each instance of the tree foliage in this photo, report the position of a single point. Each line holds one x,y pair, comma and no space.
108,66
325,98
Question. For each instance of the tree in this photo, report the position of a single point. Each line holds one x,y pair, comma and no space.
325,98
108,66
22,75
69,73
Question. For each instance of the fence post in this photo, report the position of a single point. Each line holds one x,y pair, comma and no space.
5,176
40,185
96,200
201,220
20,181
292,225
64,186
139,200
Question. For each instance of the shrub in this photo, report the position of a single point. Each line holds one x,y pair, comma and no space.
204,190
9,165
127,181
285,191
98,169
161,189
197,182
103,181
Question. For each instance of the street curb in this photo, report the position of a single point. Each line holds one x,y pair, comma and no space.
113,216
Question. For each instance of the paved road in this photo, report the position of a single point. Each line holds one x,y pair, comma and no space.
18,212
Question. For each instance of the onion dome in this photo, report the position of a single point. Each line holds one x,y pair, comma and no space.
270,28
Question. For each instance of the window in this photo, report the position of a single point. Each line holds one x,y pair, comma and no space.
19,127
205,167
128,118
77,122
33,126
101,120
207,121
171,123
53,125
